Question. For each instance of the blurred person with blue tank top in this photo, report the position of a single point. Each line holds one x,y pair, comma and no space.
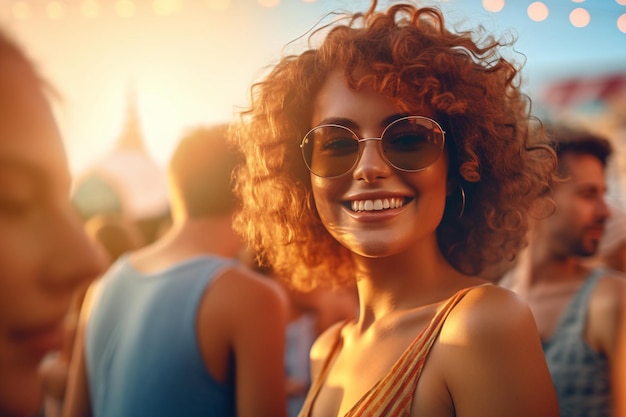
179,328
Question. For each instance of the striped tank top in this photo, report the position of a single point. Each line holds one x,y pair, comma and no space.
391,396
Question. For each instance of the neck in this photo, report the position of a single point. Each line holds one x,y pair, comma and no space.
188,238
205,235
404,281
538,265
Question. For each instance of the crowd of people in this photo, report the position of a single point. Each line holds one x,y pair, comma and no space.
386,230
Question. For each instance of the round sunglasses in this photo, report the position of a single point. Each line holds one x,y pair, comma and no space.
409,144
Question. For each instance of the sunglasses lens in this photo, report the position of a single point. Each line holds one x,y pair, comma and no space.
409,144
413,143
330,151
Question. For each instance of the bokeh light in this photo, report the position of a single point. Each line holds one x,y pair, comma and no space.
21,10
579,17
80,65
269,3
125,8
165,7
538,11
90,8
55,10
218,4
493,5
621,23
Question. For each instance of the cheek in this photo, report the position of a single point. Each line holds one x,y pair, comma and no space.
20,259
327,195
433,200
20,392
433,186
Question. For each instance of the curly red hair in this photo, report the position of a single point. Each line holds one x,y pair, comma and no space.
496,149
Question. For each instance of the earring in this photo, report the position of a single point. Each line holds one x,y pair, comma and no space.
462,202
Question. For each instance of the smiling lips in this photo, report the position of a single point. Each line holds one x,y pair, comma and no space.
377,204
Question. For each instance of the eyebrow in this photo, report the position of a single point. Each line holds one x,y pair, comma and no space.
15,164
584,187
351,124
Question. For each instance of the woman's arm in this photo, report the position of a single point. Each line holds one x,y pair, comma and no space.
252,310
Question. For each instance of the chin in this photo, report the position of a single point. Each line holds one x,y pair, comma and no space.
373,249
21,410
19,398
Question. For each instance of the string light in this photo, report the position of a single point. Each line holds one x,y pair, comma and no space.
621,23
538,11
90,8
165,7
55,10
125,8
269,3
579,17
218,5
21,10
493,5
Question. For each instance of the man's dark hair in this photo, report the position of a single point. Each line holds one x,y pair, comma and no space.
576,140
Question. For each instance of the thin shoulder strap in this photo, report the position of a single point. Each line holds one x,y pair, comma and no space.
393,394
575,313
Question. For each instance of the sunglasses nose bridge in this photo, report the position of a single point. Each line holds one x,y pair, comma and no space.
370,157
363,144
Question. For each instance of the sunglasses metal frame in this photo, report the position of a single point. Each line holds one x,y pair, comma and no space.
380,139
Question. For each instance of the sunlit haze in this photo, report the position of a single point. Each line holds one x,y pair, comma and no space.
191,62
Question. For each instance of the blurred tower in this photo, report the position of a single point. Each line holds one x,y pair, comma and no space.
126,181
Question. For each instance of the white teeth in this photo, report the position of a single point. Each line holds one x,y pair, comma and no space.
377,205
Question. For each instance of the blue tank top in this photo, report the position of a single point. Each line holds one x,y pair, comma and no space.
142,353
580,374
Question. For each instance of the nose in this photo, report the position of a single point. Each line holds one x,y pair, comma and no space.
73,259
371,164
603,210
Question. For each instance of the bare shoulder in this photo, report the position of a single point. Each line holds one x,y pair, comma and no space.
490,357
247,286
323,346
608,296
90,300
325,342
605,311
242,299
488,311
611,287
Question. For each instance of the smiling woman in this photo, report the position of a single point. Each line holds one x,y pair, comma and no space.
44,254
401,157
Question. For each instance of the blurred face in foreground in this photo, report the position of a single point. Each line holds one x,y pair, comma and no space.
44,254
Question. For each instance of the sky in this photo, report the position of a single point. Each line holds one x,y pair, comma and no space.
191,62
